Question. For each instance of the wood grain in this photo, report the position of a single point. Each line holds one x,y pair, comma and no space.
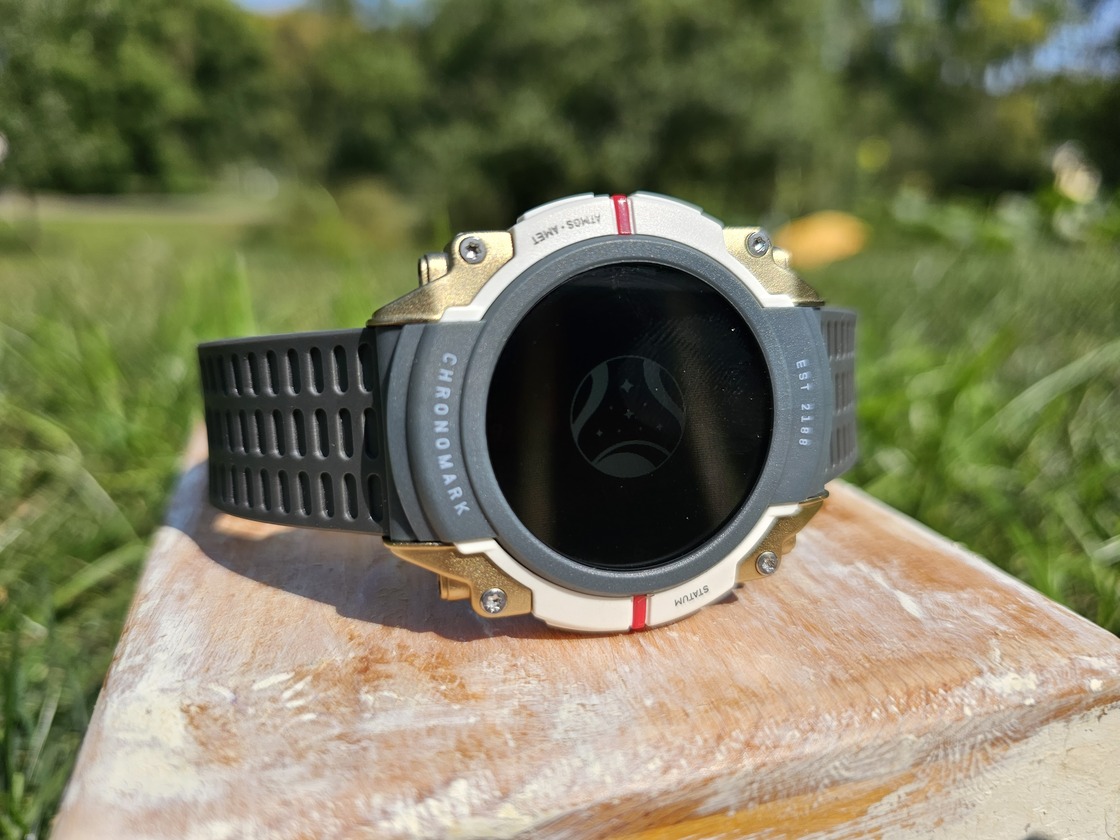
885,683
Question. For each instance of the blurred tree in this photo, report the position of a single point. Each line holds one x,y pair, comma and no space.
727,103
357,91
112,95
488,106
924,77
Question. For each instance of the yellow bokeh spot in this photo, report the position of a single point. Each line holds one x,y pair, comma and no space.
822,238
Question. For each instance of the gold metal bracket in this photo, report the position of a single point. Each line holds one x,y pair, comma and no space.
463,577
467,577
449,278
771,268
781,538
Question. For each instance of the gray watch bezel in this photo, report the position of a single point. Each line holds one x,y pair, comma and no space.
787,335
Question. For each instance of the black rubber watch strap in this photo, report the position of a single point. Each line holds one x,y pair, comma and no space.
839,329
294,427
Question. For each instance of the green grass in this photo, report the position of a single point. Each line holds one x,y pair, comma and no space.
99,316
989,410
990,403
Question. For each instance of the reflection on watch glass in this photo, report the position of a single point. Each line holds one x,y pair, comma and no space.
629,416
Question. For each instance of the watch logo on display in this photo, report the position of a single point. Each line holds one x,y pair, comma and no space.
627,416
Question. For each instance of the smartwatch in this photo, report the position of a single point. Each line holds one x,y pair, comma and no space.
608,416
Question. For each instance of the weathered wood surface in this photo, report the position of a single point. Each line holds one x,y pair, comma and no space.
293,684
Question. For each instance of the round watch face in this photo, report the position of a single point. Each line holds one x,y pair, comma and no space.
629,416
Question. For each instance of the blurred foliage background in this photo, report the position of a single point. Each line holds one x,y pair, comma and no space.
171,172
483,108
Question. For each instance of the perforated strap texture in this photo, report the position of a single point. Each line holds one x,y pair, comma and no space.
839,329
294,427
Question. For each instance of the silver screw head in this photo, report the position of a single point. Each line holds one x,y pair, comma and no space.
472,250
758,243
767,563
493,600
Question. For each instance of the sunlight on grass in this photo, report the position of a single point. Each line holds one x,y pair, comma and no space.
990,384
98,389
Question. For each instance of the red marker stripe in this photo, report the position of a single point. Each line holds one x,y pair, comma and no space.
622,214
639,620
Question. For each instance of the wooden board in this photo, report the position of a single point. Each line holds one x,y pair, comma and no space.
885,683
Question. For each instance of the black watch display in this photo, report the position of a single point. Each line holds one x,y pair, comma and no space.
608,416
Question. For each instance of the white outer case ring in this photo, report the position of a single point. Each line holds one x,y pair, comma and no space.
550,227
543,231
571,610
